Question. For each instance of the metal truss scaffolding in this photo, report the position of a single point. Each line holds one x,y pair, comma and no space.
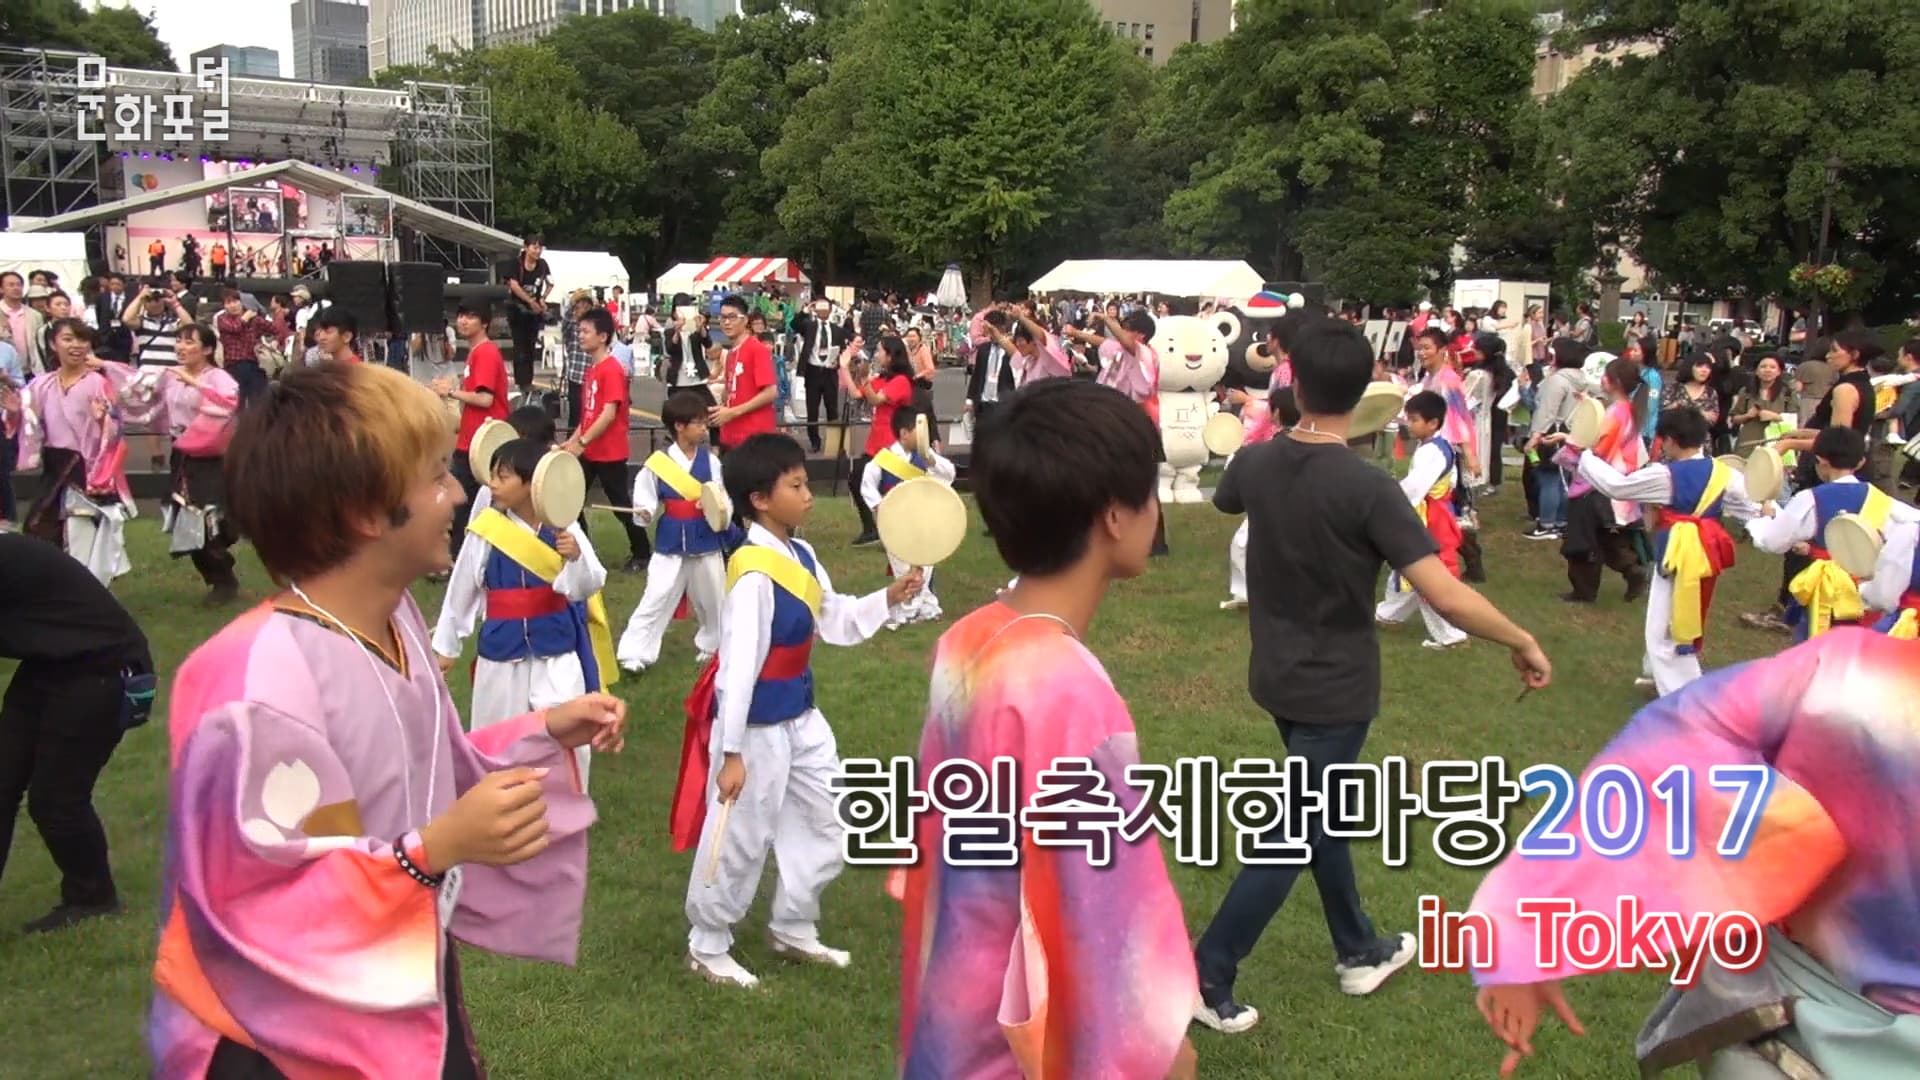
443,153
47,169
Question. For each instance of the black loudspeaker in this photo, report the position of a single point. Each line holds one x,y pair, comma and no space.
417,292
360,289
486,294
262,288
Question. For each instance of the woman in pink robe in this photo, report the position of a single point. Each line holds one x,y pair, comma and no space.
69,424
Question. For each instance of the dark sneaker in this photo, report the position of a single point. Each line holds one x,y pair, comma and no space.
1576,598
634,565
866,539
1637,586
1364,973
1542,532
68,915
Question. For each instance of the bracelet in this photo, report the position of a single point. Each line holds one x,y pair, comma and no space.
414,872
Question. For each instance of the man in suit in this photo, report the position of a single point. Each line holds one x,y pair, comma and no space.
820,340
990,375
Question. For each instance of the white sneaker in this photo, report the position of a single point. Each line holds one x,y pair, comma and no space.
811,952
1235,1020
1234,604
1363,974
1437,646
723,970
700,659
633,669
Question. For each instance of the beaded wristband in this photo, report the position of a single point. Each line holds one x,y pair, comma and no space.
414,872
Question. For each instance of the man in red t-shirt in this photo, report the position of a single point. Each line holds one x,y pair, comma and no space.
482,395
750,385
601,440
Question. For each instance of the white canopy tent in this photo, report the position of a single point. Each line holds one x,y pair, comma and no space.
584,270
64,253
680,279
1201,278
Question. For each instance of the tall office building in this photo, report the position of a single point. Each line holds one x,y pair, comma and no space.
524,21
1156,27
407,31
705,14
330,41
254,61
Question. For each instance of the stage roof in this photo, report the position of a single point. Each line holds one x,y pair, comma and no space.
307,177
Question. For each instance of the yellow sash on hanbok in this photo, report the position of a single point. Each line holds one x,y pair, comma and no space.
674,475
543,562
785,570
1688,565
1828,592
1907,626
1441,489
896,466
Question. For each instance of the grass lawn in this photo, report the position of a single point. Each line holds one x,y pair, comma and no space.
76,1002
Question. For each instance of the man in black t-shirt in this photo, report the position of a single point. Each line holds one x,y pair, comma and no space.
527,283
1322,522
63,714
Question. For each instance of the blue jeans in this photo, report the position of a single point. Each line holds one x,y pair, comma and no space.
1553,496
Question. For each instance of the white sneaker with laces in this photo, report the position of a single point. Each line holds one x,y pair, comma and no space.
1238,1019
1233,604
811,952
723,970
1364,976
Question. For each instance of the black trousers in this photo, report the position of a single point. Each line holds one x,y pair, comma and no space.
1496,443
526,337
203,481
1258,890
573,406
58,728
860,464
463,471
231,1061
823,393
616,483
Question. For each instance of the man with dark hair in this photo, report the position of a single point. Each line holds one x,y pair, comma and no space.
1065,473
990,376
527,282
65,711
1321,523
336,334
751,386
601,442
820,340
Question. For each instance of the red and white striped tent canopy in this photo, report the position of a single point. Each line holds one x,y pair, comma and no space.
745,270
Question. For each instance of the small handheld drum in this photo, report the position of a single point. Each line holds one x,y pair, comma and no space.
488,438
1854,544
1223,434
1381,402
1733,461
921,522
1589,419
1765,477
559,489
922,439
713,504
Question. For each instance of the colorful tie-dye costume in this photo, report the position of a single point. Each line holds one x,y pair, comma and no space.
1053,968
288,925
1835,856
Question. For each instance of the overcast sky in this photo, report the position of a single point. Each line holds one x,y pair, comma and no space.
189,25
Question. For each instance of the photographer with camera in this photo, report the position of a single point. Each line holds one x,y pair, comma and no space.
155,316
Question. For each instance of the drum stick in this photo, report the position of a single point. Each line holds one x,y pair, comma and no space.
615,509
719,838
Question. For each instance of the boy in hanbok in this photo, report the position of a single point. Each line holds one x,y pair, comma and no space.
529,422
528,586
332,831
1686,497
1432,478
1894,590
1830,865
687,565
1057,964
906,460
757,759
1279,415
1824,596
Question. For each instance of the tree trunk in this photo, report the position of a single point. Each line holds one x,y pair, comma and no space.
831,273
981,283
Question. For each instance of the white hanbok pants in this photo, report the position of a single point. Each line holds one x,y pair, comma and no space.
96,536
1398,607
924,604
502,691
1664,663
787,808
702,578
1237,564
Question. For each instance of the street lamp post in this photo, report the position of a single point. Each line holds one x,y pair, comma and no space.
1820,259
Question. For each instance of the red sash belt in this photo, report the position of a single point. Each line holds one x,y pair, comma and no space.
524,603
1713,535
1815,551
681,509
787,661
1444,527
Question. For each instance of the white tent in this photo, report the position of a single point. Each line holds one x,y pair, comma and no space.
680,279
1203,278
64,253
584,270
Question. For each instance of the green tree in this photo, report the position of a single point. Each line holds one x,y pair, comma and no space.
123,36
562,165
948,149
1701,143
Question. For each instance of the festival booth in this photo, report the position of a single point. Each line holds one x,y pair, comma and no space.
595,271
1203,279
63,253
781,274
680,279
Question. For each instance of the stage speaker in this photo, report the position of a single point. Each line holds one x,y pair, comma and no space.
262,288
487,294
360,288
417,292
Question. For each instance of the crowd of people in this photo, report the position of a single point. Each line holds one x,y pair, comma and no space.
321,768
